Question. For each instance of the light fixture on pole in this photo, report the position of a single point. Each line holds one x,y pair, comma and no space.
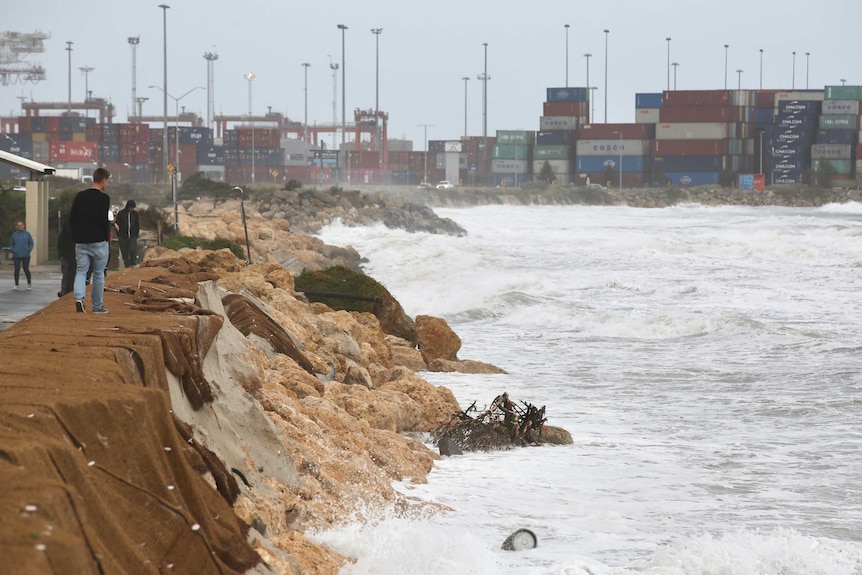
343,29
793,77
587,56
739,80
484,77
761,68
250,77
675,66
164,8
133,42
668,62
210,57
567,54
175,173
726,46
377,145
426,126
305,65
843,81
334,67
140,102
69,50
86,71
807,55
465,78
606,75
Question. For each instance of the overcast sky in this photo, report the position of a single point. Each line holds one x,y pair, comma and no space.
426,48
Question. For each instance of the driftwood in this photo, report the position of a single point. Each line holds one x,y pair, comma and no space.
503,425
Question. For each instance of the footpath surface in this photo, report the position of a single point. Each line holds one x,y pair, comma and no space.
16,305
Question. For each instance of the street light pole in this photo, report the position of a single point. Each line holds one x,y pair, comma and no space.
668,62
485,115
621,161
567,54
425,156
210,57
305,65
793,77
675,66
761,68
69,50
86,70
250,77
726,46
377,32
807,55
739,80
606,75
133,42
164,8
590,94
343,29
465,78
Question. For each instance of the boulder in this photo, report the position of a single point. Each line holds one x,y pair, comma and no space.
435,339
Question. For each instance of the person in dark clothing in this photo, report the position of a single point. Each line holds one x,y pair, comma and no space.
21,244
128,230
91,232
66,251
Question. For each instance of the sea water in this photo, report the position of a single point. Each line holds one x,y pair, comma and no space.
706,360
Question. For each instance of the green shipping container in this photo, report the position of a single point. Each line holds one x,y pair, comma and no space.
551,153
843,92
510,152
838,122
841,167
523,137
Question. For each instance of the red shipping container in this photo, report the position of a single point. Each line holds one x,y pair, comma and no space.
24,125
612,131
759,181
52,124
697,98
765,98
565,108
72,151
690,147
701,114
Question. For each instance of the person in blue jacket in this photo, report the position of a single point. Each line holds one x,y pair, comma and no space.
21,244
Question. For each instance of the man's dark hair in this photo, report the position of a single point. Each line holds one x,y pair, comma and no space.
100,175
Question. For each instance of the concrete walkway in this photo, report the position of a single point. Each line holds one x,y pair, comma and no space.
16,305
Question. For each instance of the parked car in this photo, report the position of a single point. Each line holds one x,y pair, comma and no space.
425,185
445,184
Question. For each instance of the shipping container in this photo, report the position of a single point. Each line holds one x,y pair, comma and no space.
839,122
555,137
832,152
560,122
702,114
836,136
552,153
74,152
843,93
692,179
778,177
649,100
558,167
363,159
762,115
647,115
601,163
793,136
613,131
41,151
689,163
140,174
504,180
791,121
789,164
843,167
510,152
210,155
790,150
609,147
566,109
520,137
698,98
691,147
801,95
751,182
805,107
568,95
508,166
435,146
693,131
764,99
841,107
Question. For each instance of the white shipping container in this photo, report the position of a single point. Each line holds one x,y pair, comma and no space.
509,166
811,95
692,131
831,152
612,147
647,115
858,167
560,122
41,151
558,166
850,107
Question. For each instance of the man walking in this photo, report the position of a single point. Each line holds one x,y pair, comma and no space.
21,244
128,229
91,232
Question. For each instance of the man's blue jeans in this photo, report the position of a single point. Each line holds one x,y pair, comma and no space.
96,256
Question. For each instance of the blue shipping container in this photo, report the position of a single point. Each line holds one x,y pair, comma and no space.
800,106
793,136
785,164
601,163
211,155
837,137
745,182
795,121
555,138
690,163
650,100
568,95
507,180
779,177
692,178
790,149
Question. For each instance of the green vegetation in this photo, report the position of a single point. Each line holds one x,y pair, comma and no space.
728,178
547,174
341,280
198,185
822,174
180,242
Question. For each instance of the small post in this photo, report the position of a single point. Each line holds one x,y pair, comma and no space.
244,225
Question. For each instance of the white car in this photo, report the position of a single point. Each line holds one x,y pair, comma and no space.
445,184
